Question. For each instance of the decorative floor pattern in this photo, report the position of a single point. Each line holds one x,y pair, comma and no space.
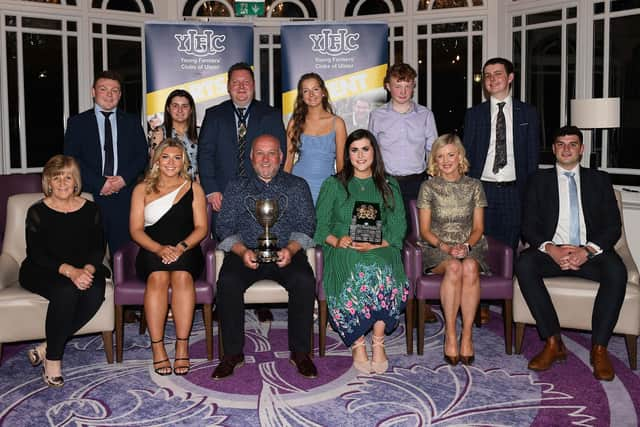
497,390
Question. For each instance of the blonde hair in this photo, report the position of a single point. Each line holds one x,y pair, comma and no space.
57,165
153,174
447,139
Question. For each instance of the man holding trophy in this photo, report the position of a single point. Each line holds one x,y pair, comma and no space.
265,225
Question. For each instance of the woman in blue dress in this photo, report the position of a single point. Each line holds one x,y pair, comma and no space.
315,136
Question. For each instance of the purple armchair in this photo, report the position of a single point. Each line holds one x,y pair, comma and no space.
129,290
497,286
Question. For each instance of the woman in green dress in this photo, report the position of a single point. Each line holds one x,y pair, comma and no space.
451,211
365,284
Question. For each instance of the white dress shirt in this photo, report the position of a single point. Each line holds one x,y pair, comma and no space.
507,173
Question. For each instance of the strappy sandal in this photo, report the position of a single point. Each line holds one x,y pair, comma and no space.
162,370
378,367
363,366
36,355
181,370
51,381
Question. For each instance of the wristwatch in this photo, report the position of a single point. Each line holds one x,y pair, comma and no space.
184,245
590,255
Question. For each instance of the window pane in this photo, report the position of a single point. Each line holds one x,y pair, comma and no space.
598,8
477,70
125,57
571,68
44,124
617,5
12,100
422,29
624,69
449,82
123,31
572,12
97,56
124,5
72,43
10,21
277,82
287,9
543,82
97,28
445,4
213,8
398,55
450,27
598,58
373,7
264,74
398,31
517,21
422,71
517,64
477,26
538,18
47,24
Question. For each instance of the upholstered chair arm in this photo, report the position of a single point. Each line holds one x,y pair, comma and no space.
9,269
500,258
124,263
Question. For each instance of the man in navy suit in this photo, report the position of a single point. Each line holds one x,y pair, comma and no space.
111,148
571,222
503,173
504,184
219,157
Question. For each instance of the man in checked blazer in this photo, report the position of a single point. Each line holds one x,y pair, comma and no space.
84,139
571,222
504,188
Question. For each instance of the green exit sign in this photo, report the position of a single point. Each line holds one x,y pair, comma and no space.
250,8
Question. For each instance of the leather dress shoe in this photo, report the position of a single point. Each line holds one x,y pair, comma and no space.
602,368
303,364
227,365
429,315
485,314
553,351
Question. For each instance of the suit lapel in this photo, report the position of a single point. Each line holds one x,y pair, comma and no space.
485,120
554,197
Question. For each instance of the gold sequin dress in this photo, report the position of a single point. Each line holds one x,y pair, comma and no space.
452,205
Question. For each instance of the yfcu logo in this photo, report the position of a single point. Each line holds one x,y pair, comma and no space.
200,44
334,43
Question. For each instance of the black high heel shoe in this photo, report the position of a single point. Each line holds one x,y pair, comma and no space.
181,370
467,360
162,370
451,360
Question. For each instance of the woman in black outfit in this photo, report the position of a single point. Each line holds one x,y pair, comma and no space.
168,221
65,248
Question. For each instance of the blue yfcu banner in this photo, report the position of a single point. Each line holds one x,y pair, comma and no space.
194,57
351,58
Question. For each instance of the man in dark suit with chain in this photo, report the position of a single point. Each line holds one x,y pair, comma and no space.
571,222
111,148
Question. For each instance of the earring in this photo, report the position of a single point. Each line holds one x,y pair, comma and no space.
75,188
49,190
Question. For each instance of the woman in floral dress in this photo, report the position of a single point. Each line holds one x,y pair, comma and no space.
365,284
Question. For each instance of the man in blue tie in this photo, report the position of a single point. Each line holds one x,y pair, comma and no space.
571,222
111,148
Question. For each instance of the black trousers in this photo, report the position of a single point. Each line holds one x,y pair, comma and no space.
235,278
409,188
606,268
69,308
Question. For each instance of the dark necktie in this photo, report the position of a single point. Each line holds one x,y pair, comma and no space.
500,159
242,140
108,145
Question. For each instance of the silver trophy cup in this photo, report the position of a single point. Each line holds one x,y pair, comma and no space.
266,213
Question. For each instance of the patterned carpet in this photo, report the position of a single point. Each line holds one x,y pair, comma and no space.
497,390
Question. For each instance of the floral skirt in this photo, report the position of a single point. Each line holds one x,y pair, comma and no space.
370,294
